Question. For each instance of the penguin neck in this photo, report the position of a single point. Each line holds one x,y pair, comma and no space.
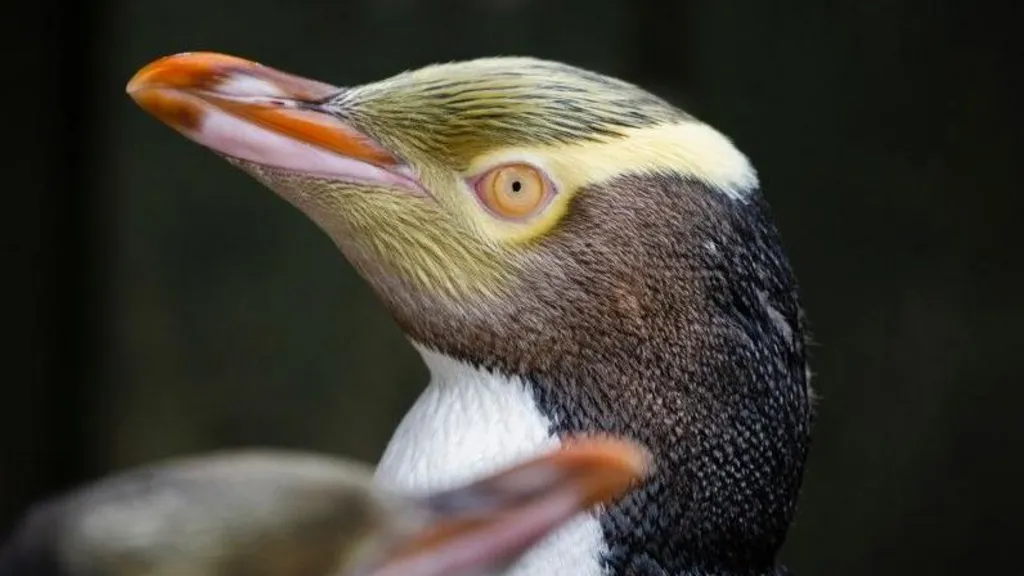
468,423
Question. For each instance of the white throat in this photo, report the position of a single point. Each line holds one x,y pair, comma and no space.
469,423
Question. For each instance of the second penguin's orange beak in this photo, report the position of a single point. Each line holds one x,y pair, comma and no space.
481,527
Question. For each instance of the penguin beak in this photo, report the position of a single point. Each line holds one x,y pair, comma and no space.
487,525
244,110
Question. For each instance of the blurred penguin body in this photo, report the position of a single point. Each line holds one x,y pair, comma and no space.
261,513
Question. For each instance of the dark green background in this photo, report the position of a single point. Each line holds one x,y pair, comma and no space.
164,303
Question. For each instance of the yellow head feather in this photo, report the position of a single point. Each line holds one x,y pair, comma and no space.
451,122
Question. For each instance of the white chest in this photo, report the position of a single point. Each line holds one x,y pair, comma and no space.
469,423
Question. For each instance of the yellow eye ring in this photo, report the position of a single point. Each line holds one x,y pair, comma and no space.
514,191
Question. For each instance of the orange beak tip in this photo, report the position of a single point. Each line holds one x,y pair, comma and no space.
611,453
617,465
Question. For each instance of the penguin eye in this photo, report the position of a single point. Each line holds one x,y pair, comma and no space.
514,191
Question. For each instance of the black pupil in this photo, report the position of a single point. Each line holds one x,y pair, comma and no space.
517,186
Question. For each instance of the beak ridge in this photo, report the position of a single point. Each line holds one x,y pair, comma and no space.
228,75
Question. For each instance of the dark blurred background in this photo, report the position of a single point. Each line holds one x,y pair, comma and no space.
163,303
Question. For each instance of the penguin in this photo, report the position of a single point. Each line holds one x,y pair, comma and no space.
570,254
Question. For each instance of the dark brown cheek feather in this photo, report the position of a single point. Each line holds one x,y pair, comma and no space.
681,328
